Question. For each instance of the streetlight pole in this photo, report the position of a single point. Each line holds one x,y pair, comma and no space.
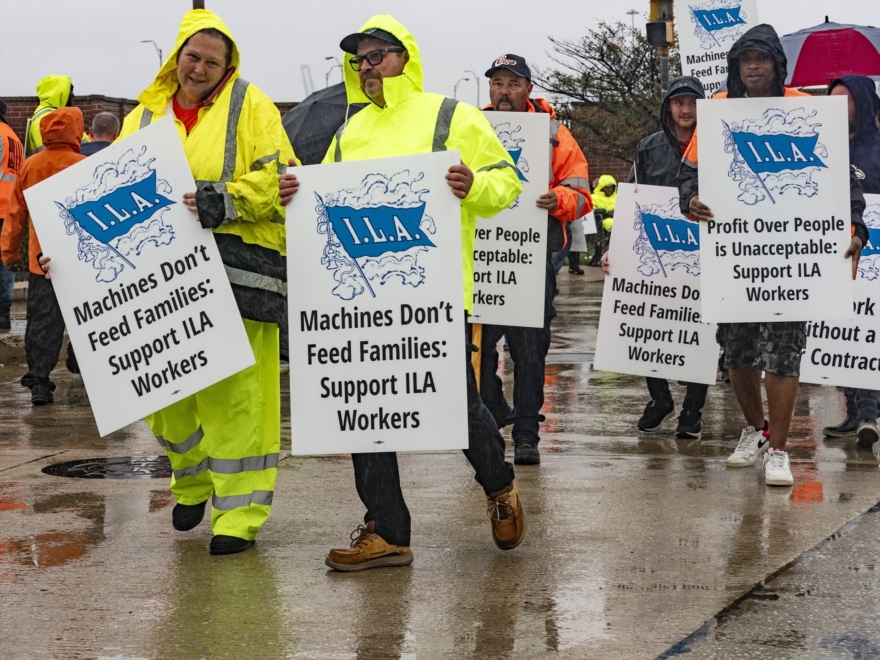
632,14
330,70
477,79
455,88
158,50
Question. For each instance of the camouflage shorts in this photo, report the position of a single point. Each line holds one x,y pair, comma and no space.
773,347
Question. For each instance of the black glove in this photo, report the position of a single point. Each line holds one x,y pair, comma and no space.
211,206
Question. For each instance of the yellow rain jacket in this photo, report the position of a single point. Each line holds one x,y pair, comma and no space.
242,164
415,122
53,92
603,201
223,441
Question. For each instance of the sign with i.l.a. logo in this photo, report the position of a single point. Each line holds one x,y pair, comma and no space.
510,254
775,173
377,350
140,284
847,353
706,31
651,320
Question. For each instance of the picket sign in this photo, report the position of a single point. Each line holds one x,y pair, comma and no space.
706,31
377,347
144,295
775,173
847,353
510,254
650,323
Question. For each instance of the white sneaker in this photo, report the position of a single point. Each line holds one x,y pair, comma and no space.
752,444
777,471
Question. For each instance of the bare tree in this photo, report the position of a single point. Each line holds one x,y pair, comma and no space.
609,85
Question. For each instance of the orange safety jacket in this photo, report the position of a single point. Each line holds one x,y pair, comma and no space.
61,131
11,156
569,171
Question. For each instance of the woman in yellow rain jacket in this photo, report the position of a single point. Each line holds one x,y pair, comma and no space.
223,442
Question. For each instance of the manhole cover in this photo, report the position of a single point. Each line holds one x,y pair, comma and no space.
117,467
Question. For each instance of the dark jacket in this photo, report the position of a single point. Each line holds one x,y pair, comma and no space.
864,147
764,38
658,156
90,148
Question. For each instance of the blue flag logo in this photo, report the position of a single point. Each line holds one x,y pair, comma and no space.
671,234
775,153
119,211
720,18
873,246
375,233
515,155
370,232
665,240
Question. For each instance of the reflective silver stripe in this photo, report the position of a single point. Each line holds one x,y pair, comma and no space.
255,280
229,465
497,166
259,162
337,153
186,445
236,101
582,202
575,182
6,177
444,123
554,132
237,501
554,129
146,118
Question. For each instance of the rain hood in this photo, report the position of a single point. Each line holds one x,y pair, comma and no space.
54,91
157,96
600,199
864,148
761,37
397,89
62,129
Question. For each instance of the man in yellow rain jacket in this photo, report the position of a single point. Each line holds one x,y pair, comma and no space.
383,69
54,92
605,199
223,442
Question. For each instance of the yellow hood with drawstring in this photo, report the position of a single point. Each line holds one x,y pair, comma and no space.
257,144
53,92
406,126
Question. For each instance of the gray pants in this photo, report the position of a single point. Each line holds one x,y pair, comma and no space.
862,404
44,334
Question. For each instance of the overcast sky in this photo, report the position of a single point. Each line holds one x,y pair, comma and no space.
97,42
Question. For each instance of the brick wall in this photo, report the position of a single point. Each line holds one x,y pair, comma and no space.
20,108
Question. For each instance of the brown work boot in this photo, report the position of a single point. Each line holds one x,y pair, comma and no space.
507,516
368,550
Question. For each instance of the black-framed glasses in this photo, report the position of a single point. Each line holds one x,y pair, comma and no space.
374,57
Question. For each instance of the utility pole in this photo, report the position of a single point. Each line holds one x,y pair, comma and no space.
455,88
477,79
661,35
632,14
338,65
158,50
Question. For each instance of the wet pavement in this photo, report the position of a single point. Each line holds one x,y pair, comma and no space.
639,545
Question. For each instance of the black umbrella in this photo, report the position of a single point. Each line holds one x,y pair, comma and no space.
311,125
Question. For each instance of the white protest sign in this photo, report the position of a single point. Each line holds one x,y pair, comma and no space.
377,359
578,238
775,172
847,353
650,323
145,298
706,31
590,223
510,254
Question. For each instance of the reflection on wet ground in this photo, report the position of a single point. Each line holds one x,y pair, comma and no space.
634,541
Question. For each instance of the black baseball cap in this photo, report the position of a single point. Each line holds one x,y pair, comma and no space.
513,63
351,42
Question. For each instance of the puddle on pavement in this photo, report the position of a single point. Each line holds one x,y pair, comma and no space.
104,517
117,467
